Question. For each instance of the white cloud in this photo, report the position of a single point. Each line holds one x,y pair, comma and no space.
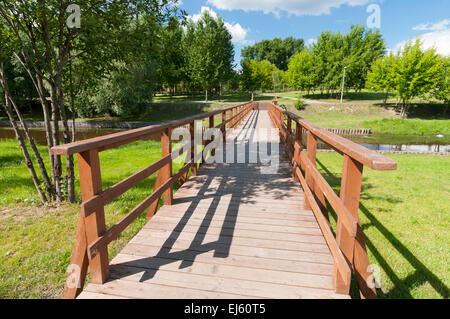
438,38
297,7
439,26
311,41
238,33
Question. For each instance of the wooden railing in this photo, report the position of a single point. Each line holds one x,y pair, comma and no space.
92,237
348,247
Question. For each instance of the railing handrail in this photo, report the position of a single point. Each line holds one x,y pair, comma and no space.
109,141
342,145
92,238
348,248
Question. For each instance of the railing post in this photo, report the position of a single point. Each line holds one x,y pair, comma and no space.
164,174
166,171
223,128
78,263
311,152
297,149
211,125
354,249
193,148
291,145
91,185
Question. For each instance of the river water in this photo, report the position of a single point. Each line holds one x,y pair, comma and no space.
382,142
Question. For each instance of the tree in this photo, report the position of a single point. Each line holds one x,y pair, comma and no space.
257,75
361,46
36,34
442,90
301,73
416,72
355,50
247,82
171,59
209,52
381,76
276,51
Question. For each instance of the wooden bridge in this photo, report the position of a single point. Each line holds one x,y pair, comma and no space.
231,230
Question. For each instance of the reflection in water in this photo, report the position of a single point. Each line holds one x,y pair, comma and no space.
419,148
408,148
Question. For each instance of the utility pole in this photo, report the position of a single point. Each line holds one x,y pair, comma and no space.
343,82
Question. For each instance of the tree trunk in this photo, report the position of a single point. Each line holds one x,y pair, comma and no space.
66,134
9,100
24,150
55,137
385,98
38,84
206,95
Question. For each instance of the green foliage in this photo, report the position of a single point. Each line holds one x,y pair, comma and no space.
411,73
300,104
416,72
257,75
171,70
276,51
356,50
126,91
442,90
381,77
209,52
301,74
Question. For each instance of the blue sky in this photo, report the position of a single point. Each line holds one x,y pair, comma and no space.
251,21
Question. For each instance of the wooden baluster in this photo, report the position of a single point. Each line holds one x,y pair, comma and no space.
354,249
230,113
299,133
164,174
211,125
297,149
166,171
289,135
94,224
318,194
78,263
223,127
193,148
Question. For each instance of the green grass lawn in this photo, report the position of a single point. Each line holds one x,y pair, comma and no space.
36,242
379,119
404,214
405,219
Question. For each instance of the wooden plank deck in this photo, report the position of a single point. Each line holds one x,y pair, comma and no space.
232,232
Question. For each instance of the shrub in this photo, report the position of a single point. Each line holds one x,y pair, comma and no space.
300,104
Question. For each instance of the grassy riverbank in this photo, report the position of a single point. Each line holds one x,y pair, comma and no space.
404,215
359,110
